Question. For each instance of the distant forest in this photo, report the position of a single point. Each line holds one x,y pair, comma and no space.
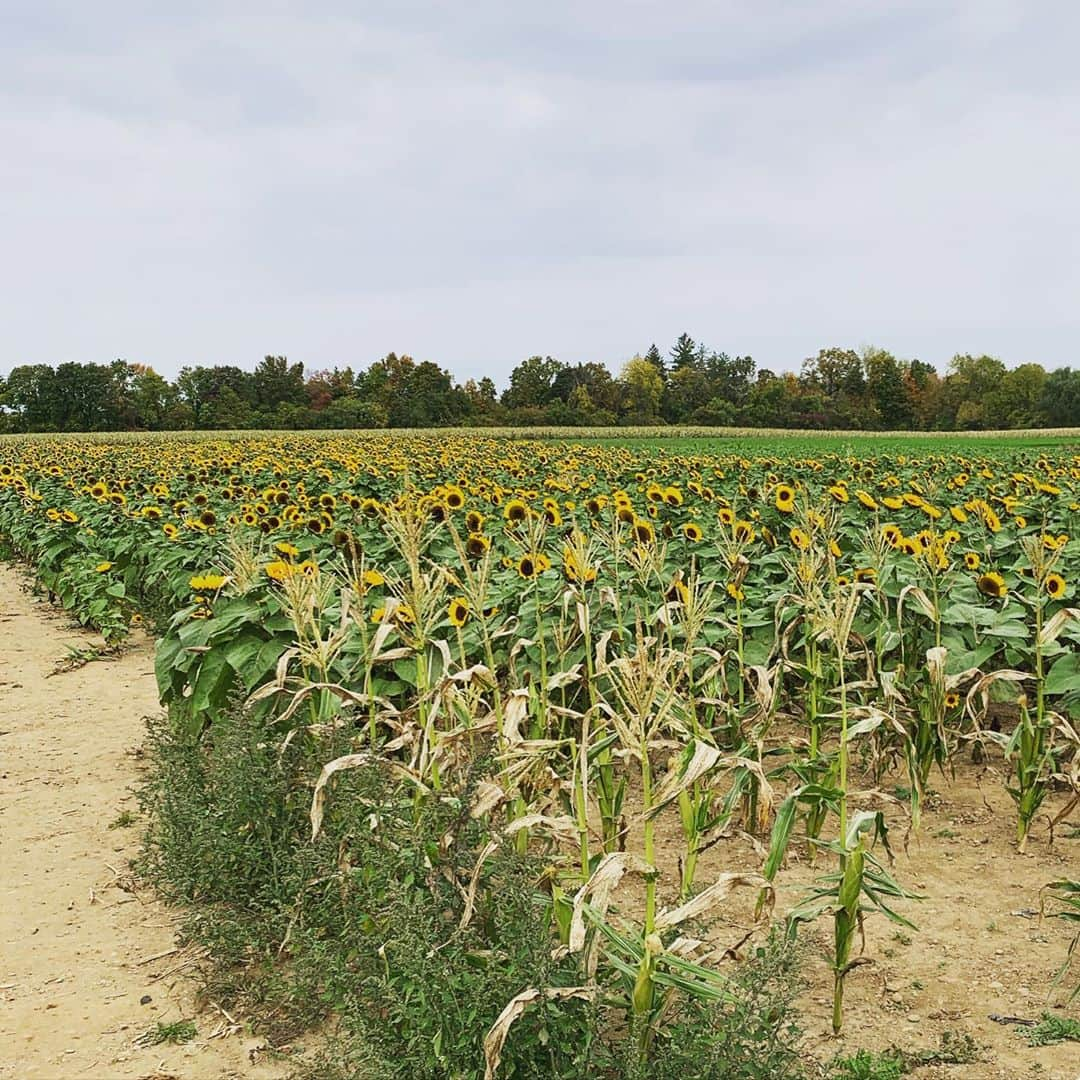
690,384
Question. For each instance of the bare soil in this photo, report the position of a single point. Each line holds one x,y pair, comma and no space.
980,950
88,960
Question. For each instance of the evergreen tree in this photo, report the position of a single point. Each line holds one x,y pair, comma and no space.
685,353
656,358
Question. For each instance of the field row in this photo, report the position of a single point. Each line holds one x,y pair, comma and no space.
587,642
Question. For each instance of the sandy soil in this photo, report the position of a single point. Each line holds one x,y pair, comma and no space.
87,961
980,948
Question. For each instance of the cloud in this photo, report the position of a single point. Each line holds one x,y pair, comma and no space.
476,184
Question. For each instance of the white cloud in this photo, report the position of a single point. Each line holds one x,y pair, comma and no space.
476,184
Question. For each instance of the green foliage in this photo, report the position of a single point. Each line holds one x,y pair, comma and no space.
1053,1029
366,925
177,1032
837,389
954,1048
868,1065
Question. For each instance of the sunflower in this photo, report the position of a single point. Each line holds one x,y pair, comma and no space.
866,499
892,534
839,493
784,497
993,585
643,531
515,512
278,570
208,518
207,582
103,567
677,593
972,560
526,566
799,538
735,592
865,573
170,530
403,614
692,532
477,545
458,611
1054,586
952,699
726,515
743,531
474,521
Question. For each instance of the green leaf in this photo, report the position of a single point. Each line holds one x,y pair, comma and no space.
1064,675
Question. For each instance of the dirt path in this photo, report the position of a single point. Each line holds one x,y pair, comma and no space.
80,949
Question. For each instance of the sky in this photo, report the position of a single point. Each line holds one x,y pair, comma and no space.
476,183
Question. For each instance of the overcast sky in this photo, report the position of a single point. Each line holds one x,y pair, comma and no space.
473,183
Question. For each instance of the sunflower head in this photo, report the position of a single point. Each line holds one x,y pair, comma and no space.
477,545
207,582
458,611
677,592
515,512
1054,586
800,538
993,585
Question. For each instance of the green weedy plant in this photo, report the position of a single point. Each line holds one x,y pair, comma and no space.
1065,895
869,1065
1052,1029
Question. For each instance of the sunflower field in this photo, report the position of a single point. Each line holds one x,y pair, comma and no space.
613,655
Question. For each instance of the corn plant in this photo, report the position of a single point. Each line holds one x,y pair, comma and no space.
861,885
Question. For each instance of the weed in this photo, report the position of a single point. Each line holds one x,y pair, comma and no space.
868,1065
179,1031
1053,1029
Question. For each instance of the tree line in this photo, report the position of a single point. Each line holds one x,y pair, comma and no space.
690,384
